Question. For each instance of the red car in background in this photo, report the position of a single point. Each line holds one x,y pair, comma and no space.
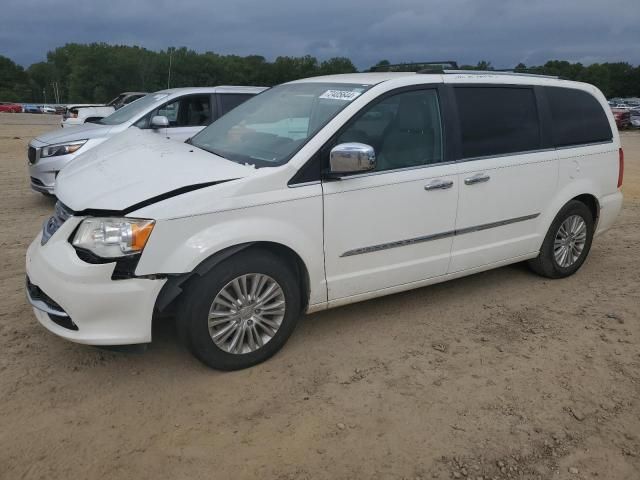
623,117
10,107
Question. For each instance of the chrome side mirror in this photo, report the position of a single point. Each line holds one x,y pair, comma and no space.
352,158
159,121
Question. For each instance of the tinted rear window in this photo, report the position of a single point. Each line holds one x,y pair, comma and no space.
497,120
577,116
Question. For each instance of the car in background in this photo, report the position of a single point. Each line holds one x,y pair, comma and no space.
48,109
10,107
634,117
626,103
622,117
86,113
177,114
71,109
31,108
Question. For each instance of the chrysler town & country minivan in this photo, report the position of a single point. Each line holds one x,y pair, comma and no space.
319,193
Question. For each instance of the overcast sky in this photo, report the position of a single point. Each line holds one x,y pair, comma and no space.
504,32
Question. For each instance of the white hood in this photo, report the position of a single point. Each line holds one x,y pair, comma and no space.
79,132
136,166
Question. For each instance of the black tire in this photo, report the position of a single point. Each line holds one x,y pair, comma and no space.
194,310
545,263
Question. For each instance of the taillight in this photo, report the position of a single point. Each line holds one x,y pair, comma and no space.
620,166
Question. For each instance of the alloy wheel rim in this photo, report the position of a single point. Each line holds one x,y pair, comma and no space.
246,313
570,241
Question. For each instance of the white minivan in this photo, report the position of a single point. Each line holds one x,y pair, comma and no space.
319,193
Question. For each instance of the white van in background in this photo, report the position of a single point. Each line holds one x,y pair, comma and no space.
78,114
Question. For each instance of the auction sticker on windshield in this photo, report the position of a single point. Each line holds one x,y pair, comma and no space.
346,95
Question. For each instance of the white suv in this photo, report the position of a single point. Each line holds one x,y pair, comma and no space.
178,114
319,193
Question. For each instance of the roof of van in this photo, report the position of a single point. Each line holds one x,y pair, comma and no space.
371,78
449,76
218,89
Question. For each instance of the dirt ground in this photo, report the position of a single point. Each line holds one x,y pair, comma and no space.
499,375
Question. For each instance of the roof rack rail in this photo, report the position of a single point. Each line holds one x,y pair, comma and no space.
419,67
500,72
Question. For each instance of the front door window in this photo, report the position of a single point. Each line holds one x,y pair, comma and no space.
404,129
189,111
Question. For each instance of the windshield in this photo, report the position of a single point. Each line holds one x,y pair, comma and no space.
133,110
268,129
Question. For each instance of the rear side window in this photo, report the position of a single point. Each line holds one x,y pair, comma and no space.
577,117
229,101
497,120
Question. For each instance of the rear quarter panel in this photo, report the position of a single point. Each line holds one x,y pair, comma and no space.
589,169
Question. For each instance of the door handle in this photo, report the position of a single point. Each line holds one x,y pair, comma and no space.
477,178
439,185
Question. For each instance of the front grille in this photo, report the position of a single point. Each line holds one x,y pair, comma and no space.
51,226
31,153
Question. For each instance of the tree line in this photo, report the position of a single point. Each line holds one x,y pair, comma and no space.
97,72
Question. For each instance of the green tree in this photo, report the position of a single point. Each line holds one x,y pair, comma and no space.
97,72
484,65
14,81
622,79
380,65
337,65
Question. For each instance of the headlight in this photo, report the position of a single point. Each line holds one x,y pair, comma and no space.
61,149
113,237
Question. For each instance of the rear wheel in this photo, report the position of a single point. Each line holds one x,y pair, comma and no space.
242,311
567,243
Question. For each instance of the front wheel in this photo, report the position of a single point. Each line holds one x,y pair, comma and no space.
242,311
567,243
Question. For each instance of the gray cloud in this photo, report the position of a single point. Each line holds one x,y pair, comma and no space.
504,32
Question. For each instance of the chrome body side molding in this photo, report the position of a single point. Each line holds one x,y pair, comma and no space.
437,236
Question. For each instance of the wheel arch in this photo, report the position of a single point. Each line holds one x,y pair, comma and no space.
591,201
584,191
175,286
